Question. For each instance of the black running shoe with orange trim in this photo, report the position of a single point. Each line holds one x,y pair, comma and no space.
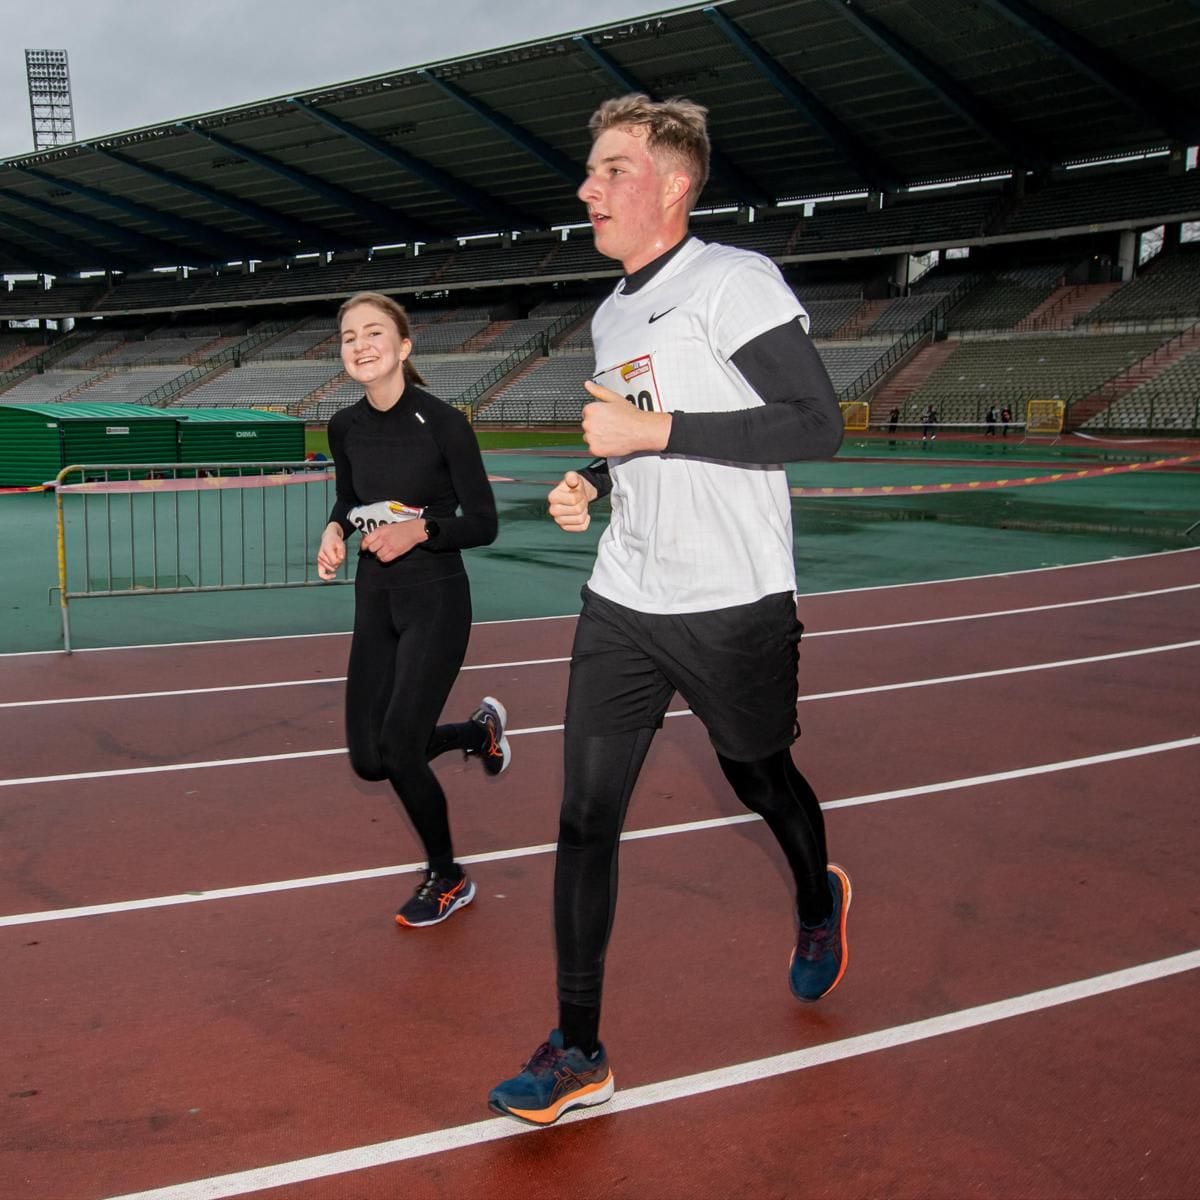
554,1081
435,899
819,959
495,753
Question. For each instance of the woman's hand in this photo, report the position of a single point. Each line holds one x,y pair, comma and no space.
388,542
332,551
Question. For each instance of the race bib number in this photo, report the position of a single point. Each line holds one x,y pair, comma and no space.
635,381
367,517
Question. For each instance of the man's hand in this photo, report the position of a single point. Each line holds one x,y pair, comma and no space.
612,427
332,551
387,542
569,502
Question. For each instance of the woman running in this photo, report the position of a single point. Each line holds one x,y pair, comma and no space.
410,480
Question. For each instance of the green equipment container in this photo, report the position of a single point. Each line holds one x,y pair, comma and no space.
233,435
38,440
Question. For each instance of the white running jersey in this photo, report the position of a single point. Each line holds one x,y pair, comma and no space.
689,534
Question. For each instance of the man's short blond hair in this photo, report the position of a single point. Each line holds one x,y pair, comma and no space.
677,129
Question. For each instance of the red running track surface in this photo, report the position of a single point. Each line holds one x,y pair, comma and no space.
1008,767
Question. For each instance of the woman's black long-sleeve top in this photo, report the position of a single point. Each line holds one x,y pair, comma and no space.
421,452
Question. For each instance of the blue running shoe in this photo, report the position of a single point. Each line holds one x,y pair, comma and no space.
554,1081
819,959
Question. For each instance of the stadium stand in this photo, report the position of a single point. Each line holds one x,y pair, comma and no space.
48,387
447,376
271,384
1168,288
1084,199
1013,370
551,392
1001,300
1168,403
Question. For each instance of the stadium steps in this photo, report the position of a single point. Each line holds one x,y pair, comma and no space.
1143,371
867,313
485,337
15,358
509,381
329,348
196,383
317,395
208,350
101,359
1064,306
80,388
585,321
897,390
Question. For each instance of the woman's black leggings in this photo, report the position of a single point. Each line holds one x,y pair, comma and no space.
408,646
600,773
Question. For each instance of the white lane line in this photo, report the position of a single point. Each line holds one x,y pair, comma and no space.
1007,612
881,587
462,1137
1048,666
272,637
1114,560
541,662
634,835
166,768
683,712
249,687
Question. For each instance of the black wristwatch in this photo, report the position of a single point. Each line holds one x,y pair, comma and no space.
432,529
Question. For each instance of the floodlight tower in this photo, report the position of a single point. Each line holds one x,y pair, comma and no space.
50,98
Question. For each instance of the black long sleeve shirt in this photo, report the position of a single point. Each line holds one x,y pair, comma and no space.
421,452
799,419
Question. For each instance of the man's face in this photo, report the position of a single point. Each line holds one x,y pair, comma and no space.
633,202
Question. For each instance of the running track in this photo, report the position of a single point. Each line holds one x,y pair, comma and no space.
204,994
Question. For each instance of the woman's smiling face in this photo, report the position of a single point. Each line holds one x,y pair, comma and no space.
373,352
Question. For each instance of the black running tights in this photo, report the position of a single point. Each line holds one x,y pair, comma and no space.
600,773
407,649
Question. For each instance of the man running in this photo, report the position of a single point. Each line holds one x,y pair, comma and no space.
706,381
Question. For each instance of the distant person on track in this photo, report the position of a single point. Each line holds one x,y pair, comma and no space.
706,382
893,421
1005,420
411,480
929,424
990,421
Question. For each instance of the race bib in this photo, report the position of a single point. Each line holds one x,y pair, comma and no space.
366,517
635,381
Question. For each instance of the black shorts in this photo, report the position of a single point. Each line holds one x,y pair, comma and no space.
734,667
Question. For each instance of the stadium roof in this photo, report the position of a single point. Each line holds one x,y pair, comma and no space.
807,98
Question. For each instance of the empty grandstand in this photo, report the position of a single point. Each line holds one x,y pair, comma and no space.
917,207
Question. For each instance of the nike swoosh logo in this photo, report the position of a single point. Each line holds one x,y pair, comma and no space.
659,316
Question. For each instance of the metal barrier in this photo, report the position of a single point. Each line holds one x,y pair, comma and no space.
168,528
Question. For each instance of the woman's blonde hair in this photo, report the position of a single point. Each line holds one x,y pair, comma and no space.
399,318
677,129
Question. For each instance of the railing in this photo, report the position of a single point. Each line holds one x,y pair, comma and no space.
1048,316
536,346
163,395
556,410
1167,322
1111,390
168,528
916,333
40,362
1157,417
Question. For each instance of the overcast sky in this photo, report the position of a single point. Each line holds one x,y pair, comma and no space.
144,62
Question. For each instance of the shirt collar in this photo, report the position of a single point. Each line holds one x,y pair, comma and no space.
642,276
